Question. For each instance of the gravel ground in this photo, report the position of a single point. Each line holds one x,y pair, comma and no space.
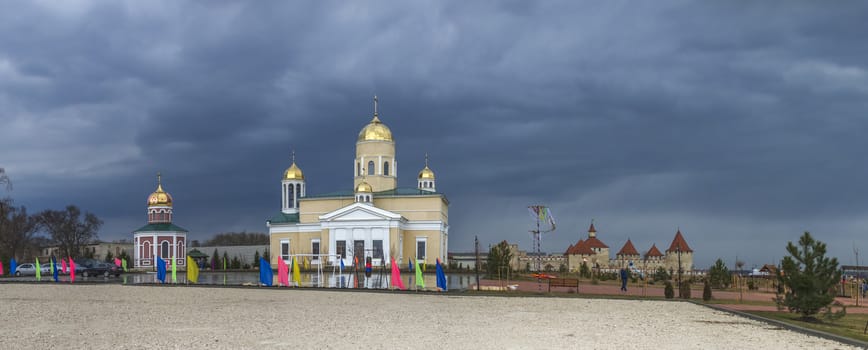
135,317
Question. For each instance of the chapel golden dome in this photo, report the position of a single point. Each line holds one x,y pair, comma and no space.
364,187
293,173
426,173
375,131
159,197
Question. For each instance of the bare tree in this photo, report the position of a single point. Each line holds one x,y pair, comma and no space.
70,230
5,179
16,228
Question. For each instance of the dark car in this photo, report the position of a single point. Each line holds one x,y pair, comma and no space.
96,268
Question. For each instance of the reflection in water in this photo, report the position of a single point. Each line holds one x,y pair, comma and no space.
311,279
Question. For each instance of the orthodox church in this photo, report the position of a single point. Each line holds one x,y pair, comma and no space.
375,219
160,238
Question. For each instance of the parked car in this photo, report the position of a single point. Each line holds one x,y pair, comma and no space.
26,269
96,268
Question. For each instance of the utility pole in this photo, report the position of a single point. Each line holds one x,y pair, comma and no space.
476,244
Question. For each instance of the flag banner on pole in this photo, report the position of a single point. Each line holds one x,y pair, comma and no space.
38,271
71,270
1,268
63,267
409,265
124,264
420,282
174,269
544,215
161,270
192,270
266,276
54,269
117,262
282,272
396,276
441,276
13,265
296,274
224,263
342,265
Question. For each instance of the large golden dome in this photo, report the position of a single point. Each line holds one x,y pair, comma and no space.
426,173
293,173
364,187
375,131
159,197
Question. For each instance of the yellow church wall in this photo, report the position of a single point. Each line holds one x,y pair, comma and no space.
415,208
311,208
379,152
432,245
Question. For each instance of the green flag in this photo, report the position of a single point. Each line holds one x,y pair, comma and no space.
124,264
420,282
174,270
38,271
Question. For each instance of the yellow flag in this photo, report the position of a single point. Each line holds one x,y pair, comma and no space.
296,275
192,271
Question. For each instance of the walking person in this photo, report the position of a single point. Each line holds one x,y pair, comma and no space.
623,280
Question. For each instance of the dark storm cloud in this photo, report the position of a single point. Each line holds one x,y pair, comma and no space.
731,121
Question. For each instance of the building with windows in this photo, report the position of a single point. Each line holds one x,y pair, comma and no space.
374,219
595,254
160,238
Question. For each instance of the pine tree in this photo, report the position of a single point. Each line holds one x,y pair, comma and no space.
706,291
718,275
810,277
668,290
215,260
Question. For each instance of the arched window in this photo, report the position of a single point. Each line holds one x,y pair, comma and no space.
358,169
164,249
146,250
386,168
181,253
298,191
371,168
289,196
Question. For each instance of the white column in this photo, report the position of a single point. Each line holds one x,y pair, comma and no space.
379,165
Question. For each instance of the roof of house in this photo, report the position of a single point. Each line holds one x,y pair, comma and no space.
283,218
161,227
628,249
653,252
594,242
580,248
679,243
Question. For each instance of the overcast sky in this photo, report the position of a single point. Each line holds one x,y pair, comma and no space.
741,123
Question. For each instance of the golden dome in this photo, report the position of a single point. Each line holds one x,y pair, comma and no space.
426,173
159,197
363,187
293,173
375,131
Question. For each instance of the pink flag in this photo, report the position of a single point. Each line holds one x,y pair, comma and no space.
396,276
63,265
118,262
1,268
71,270
282,272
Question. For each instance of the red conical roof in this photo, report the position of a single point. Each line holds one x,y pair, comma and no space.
592,229
679,242
653,252
582,248
594,242
569,249
628,249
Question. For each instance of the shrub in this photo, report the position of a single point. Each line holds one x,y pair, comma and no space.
668,291
706,291
684,290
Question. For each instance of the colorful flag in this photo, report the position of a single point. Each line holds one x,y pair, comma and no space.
38,271
192,270
117,262
544,215
296,275
174,269
282,272
441,276
161,270
409,264
63,265
1,268
266,276
342,265
71,270
396,276
54,268
224,264
13,265
124,264
420,282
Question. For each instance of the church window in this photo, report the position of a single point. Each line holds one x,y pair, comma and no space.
378,249
146,250
297,192
386,168
180,253
371,168
290,196
358,169
314,249
420,248
164,249
284,249
341,249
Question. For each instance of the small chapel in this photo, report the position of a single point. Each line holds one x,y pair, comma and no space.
160,238
373,220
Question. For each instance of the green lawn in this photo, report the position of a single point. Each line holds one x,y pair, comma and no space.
850,326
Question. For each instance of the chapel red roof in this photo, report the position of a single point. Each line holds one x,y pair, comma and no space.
628,249
679,242
653,252
592,229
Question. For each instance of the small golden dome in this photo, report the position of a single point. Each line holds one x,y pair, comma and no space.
364,187
426,173
293,173
375,131
160,198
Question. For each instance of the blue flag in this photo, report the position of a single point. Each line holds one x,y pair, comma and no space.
54,268
161,270
409,265
12,266
342,264
266,276
441,276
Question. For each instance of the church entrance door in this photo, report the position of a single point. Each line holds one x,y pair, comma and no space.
359,251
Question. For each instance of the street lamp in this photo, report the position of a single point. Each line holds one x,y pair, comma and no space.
678,251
